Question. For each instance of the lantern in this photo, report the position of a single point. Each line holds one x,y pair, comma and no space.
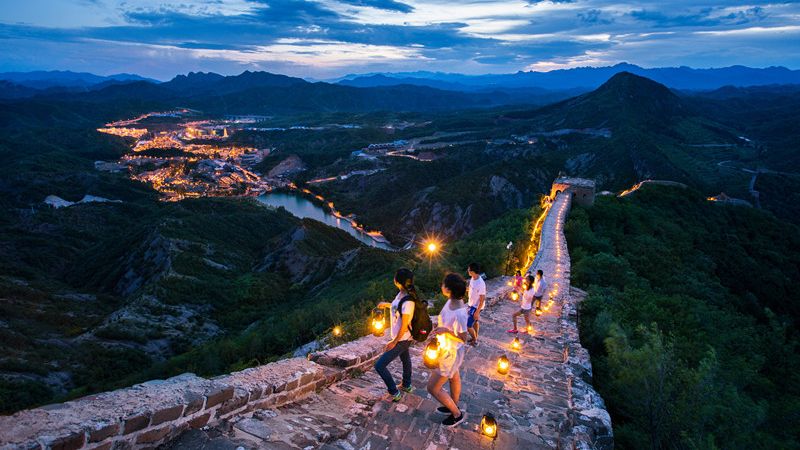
489,426
431,354
516,344
337,331
378,322
502,365
514,296
530,329
538,311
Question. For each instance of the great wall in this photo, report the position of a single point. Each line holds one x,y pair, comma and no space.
334,400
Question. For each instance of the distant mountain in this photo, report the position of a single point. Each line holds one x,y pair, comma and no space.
13,90
66,79
586,78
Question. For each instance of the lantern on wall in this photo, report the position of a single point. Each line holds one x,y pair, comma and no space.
516,344
503,365
538,311
431,354
489,426
514,296
378,323
337,331
530,329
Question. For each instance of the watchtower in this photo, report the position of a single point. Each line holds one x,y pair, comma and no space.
581,189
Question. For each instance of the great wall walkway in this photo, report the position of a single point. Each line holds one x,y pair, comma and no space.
337,401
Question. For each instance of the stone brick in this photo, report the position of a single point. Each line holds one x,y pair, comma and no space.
194,403
31,445
102,431
153,435
135,423
218,396
166,414
199,421
71,441
106,446
239,399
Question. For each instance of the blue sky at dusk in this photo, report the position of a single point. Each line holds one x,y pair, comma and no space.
324,39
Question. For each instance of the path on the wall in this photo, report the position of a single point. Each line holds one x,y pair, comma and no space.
545,401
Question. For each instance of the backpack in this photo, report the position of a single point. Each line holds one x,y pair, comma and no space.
421,324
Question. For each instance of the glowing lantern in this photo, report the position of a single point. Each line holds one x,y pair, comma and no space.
514,296
489,426
502,365
378,322
530,329
516,344
431,355
538,311
337,331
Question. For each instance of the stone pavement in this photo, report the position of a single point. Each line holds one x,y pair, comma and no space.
545,401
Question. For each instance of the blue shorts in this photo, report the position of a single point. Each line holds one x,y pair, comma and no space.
471,320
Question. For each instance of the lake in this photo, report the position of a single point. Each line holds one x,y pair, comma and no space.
305,209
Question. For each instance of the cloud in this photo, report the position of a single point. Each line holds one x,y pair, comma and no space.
318,38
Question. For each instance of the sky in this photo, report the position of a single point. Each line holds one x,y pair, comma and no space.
321,39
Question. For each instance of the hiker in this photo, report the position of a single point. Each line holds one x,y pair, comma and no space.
400,333
539,287
477,298
525,305
518,280
450,334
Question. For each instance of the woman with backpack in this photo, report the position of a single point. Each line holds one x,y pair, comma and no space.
402,312
451,335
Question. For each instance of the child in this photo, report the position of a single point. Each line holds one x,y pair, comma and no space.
539,288
476,300
401,337
518,282
525,306
451,334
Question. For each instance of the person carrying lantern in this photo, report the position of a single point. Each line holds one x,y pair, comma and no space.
450,334
525,305
400,333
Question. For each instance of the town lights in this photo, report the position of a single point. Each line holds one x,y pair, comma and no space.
489,426
502,365
337,331
431,355
516,344
378,322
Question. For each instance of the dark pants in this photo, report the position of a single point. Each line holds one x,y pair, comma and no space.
401,350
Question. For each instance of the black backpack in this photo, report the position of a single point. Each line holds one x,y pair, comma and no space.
421,324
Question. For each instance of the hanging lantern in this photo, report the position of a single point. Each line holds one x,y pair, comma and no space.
514,296
431,354
378,322
337,331
502,365
489,426
516,344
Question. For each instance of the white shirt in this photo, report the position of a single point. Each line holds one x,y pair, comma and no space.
539,286
397,321
477,287
527,300
455,320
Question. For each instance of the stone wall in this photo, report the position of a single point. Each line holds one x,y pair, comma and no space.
152,413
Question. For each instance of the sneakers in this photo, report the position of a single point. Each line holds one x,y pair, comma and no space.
408,389
443,410
513,330
397,397
453,421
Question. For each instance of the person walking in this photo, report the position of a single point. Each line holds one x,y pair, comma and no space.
539,288
401,339
450,335
477,299
525,305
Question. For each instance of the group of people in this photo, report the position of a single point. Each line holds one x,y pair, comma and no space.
458,327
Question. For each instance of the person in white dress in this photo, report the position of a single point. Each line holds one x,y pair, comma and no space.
525,305
451,334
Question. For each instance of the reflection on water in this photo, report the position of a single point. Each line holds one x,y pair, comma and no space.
300,207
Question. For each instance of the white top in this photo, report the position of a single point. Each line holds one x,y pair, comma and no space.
397,321
455,320
477,287
527,300
539,287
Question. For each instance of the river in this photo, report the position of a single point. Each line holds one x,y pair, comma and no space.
303,208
